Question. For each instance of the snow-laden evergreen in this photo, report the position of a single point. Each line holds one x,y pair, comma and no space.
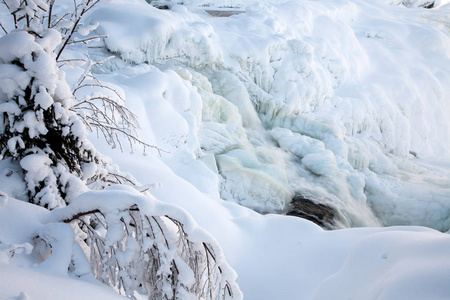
38,130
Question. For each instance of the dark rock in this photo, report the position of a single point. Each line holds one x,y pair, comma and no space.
164,5
223,13
428,5
318,213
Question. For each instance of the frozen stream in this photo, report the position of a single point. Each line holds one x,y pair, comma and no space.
328,103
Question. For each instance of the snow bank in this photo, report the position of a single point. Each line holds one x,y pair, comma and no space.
377,268
275,256
23,272
43,244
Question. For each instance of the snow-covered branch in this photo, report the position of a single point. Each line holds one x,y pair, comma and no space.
137,244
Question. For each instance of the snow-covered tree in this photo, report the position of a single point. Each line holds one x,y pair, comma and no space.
37,127
42,125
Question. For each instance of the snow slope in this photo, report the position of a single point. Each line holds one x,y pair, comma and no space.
343,102
276,257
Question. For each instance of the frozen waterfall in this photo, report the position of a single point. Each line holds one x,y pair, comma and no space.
298,100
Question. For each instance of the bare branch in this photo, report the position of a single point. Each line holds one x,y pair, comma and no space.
87,40
50,9
67,38
1,25
104,114
79,215
153,265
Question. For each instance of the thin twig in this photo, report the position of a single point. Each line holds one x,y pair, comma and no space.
1,25
86,40
50,9
80,214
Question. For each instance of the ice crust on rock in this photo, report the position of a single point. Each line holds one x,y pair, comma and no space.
162,35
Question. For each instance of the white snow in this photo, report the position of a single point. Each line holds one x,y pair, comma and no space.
344,102
362,89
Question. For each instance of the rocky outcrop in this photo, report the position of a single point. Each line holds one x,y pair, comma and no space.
318,213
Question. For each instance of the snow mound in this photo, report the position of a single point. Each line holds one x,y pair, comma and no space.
161,35
43,244
377,268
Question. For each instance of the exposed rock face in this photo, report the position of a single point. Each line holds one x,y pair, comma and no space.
318,213
429,6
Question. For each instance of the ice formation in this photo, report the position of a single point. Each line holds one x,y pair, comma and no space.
304,98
